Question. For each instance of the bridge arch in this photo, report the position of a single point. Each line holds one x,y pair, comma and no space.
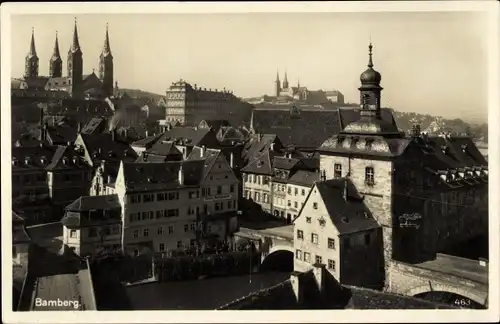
279,258
435,287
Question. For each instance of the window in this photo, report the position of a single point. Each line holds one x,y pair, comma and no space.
172,213
295,204
161,247
160,230
289,190
151,215
170,229
72,234
136,252
231,188
315,205
148,197
173,195
192,227
303,192
296,191
314,238
218,206
300,235
367,239
308,220
92,232
192,242
319,259
265,180
298,254
331,265
337,170
160,196
179,244
331,244
144,215
186,228
289,203
190,210
135,199
229,205
219,190
145,232
307,256
135,233
369,176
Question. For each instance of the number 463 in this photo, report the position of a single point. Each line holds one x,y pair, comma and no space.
462,302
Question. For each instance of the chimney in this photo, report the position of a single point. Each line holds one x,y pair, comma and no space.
147,134
272,146
202,151
181,174
113,134
231,160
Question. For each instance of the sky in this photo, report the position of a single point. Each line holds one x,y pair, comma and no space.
431,62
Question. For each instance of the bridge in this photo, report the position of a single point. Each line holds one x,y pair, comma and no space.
448,274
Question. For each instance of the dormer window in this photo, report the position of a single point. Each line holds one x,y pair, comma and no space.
369,176
27,160
15,161
43,160
65,160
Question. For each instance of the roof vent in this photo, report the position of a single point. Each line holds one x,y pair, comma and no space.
345,219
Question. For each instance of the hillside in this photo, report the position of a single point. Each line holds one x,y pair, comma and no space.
436,124
135,93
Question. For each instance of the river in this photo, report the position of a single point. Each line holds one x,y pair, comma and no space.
205,294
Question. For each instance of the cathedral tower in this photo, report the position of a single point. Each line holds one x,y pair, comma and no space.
75,66
55,64
106,67
32,61
285,82
278,84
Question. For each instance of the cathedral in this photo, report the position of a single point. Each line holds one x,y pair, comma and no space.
76,84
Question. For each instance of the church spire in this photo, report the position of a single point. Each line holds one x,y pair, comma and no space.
31,61
76,43
56,53
285,81
370,59
277,76
55,64
106,50
32,52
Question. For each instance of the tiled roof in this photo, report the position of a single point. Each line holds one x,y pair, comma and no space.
365,144
66,158
261,164
162,148
102,147
209,157
32,158
192,136
162,176
285,163
86,203
36,83
147,142
310,128
258,144
94,125
304,178
347,216
29,93
61,135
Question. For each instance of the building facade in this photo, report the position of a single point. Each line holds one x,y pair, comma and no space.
189,105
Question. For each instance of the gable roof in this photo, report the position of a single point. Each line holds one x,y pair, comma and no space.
86,203
66,158
32,157
304,178
349,216
162,176
262,164
216,124
61,135
258,144
102,147
183,135
95,204
162,148
209,157
94,125
147,142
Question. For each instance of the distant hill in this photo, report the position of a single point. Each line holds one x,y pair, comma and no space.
135,93
436,124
